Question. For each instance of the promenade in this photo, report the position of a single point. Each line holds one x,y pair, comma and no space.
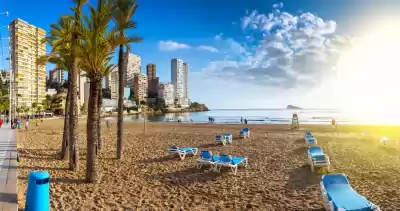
8,169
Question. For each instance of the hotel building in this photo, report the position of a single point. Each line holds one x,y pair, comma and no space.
25,48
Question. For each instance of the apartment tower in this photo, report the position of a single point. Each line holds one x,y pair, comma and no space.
131,67
29,78
141,86
153,80
179,80
57,76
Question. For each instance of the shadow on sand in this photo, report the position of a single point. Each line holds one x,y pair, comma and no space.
300,151
61,180
186,177
165,158
301,178
207,145
299,141
389,150
37,168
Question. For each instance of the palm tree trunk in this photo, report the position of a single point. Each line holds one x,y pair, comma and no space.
64,145
100,141
73,113
120,145
92,131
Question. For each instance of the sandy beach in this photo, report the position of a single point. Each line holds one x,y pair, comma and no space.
277,178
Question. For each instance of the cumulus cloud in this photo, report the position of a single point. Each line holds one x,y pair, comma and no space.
280,49
208,48
170,45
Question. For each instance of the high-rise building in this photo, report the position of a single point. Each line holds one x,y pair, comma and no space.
29,78
153,80
114,83
141,86
131,67
57,76
151,71
179,80
185,84
166,92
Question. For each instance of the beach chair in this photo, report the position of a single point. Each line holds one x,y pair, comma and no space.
227,138
244,133
338,195
317,158
206,158
182,152
310,140
220,140
231,162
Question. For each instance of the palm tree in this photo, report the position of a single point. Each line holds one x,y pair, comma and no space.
96,49
60,41
122,15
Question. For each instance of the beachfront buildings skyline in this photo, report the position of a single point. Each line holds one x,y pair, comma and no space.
29,78
113,82
179,80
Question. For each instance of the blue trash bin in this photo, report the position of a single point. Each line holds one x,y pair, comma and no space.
38,194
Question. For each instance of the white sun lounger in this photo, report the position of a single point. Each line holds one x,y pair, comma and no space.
244,133
182,152
231,162
206,158
220,140
317,158
227,137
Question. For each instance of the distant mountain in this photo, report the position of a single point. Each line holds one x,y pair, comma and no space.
292,107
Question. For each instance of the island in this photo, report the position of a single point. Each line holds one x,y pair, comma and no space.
292,107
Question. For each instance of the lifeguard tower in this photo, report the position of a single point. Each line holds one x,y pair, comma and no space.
295,122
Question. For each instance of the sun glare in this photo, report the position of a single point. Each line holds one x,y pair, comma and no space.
369,73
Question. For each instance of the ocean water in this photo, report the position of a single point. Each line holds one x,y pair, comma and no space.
276,116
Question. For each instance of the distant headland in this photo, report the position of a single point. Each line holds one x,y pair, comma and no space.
292,107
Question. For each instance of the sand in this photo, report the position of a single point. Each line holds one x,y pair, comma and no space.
277,178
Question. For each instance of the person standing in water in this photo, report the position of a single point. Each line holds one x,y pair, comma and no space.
241,120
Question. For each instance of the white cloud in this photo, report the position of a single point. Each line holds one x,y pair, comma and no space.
281,49
170,45
208,48
293,53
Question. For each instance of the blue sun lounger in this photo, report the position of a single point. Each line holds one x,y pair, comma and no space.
206,158
317,158
244,133
220,140
338,195
310,140
229,161
227,138
182,152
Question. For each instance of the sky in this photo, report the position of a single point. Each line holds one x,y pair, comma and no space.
241,54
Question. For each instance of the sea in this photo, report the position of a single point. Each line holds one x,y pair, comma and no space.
274,116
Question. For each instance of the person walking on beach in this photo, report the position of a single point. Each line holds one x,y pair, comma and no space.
26,124
108,124
333,123
245,121
241,120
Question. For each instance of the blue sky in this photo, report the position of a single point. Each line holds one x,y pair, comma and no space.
238,55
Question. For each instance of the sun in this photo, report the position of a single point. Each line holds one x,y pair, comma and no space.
368,80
